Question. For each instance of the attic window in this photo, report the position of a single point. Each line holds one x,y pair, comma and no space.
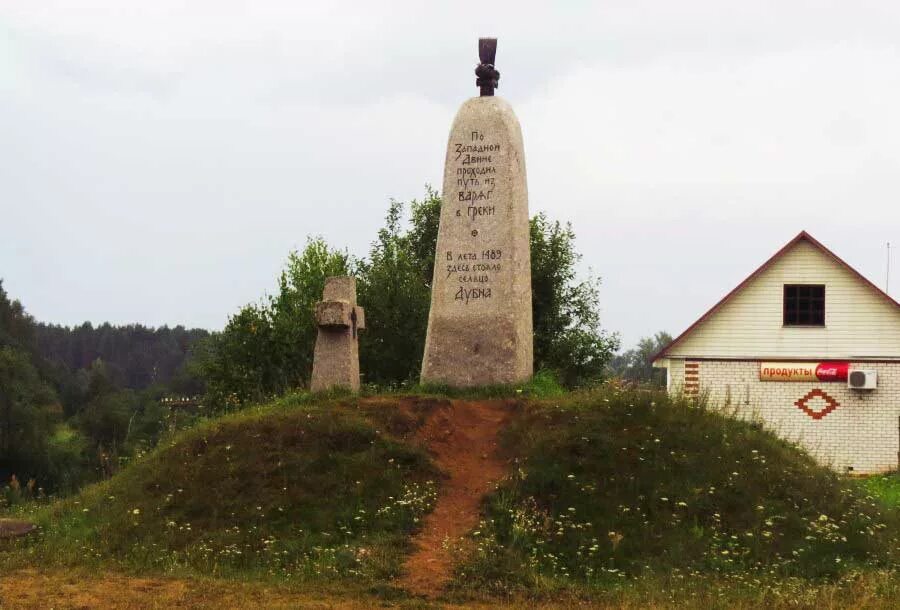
804,305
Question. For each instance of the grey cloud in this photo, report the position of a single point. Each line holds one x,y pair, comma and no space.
160,159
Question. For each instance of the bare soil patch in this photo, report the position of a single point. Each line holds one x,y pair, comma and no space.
39,590
33,589
13,528
462,435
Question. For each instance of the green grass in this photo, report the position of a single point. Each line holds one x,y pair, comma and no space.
616,485
324,491
885,487
544,384
614,495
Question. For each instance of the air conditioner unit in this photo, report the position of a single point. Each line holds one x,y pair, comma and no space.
862,380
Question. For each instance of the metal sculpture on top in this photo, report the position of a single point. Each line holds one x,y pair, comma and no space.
488,76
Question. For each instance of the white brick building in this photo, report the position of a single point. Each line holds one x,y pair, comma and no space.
781,347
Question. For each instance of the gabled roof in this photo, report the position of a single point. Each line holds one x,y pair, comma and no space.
802,236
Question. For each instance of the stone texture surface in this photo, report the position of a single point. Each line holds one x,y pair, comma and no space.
480,323
334,313
861,432
336,356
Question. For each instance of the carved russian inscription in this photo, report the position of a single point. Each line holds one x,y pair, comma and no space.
480,323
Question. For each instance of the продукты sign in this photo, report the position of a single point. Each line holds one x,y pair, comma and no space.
803,371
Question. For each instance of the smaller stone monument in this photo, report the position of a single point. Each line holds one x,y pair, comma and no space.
339,318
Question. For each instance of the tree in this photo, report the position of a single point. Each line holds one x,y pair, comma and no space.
16,326
425,218
636,365
27,416
105,420
235,364
267,348
395,290
136,356
568,338
292,311
85,369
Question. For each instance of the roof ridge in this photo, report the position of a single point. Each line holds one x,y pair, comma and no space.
801,236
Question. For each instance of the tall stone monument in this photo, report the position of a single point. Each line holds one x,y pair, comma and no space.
480,326
339,318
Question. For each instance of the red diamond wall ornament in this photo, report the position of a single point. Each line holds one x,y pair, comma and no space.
817,410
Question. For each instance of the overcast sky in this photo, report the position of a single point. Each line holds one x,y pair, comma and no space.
158,160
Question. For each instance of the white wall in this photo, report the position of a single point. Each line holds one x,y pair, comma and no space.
863,432
859,323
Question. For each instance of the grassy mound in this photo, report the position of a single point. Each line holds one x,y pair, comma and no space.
615,484
301,491
885,487
611,492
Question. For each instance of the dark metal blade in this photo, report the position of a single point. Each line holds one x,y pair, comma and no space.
487,50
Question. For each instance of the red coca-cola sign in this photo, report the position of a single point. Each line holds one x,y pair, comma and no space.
832,371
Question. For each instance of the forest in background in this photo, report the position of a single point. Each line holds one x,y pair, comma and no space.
77,403
136,356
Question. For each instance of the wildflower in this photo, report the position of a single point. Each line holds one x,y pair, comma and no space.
823,518
136,511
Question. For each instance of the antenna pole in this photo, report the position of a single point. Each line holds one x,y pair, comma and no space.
887,274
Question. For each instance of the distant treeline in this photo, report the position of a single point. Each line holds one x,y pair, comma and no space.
136,356
76,403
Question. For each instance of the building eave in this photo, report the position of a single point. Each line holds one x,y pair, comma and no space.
802,236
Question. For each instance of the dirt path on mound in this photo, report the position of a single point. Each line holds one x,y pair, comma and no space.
462,436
